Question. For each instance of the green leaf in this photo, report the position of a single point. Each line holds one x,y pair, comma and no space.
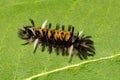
98,18
106,68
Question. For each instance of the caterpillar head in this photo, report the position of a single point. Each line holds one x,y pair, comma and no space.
27,33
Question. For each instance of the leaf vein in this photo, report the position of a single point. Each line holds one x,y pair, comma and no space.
71,66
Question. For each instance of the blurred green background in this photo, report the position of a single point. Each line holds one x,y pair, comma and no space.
99,18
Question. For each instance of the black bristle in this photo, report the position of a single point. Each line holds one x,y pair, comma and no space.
49,25
57,50
63,27
79,55
50,49
25,43
63,52
69,28
72,30
32,22
57,27
43,47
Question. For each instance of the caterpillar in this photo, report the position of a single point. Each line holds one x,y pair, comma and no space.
68,42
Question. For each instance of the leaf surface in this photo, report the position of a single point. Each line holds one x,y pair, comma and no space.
99,18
